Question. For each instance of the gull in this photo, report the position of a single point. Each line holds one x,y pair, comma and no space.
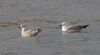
72,28
29,33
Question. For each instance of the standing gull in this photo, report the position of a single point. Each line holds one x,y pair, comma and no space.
71,28
29,33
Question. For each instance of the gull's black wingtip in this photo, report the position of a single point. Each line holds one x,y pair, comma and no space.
85,26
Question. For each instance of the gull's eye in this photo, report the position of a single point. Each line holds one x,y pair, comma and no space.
63,24
23,26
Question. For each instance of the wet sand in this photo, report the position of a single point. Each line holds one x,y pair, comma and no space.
48,14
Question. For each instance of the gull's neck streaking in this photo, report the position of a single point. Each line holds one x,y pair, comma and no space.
23,29
65,27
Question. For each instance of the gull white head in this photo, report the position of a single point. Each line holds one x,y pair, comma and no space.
63,24
22,26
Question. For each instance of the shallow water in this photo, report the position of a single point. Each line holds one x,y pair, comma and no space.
48,14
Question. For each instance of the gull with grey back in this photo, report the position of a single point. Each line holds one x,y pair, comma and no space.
29,33
71,28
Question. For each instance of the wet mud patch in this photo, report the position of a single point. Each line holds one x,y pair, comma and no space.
33,20
6,24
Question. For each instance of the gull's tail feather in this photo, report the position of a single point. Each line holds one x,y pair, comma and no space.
39,29
37,32
84,26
